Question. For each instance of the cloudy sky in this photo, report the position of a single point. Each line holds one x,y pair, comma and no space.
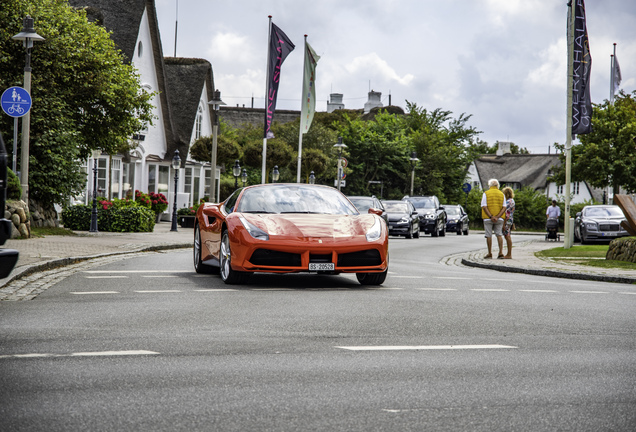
503,61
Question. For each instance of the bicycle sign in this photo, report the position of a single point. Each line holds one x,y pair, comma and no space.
16,101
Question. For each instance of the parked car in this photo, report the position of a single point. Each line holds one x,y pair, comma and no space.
457,219
289,228
599,223
431,213
403,219
364,203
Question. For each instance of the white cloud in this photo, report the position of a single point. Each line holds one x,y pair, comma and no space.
372,64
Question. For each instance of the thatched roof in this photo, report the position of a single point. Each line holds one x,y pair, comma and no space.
526,169
185,80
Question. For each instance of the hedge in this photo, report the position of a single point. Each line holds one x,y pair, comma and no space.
124,219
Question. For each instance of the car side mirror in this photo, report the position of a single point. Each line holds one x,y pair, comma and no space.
441,207
578,214
375,211
414,213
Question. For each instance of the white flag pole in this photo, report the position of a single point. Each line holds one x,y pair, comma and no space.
269,36
300,125
568,134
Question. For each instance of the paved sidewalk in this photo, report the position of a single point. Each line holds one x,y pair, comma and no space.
39,254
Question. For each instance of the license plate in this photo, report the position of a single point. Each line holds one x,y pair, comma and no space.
322,266
609,234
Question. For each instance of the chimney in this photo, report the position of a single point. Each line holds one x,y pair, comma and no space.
504,148
375,100
335,102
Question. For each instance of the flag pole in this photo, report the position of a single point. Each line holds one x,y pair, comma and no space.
269,34
300,125
568,133
612,75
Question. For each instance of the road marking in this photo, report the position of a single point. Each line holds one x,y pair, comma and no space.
436,289
136,271
158,291
538,291
106,277
423,347
589,292
499,280
629,293
93,292
216,290
82,354
490,289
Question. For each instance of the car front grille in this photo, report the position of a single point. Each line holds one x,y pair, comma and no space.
265,257
360,259
609,227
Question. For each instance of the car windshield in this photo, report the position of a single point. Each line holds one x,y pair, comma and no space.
423,203
294,199
362,204
397,207
452,211
604,212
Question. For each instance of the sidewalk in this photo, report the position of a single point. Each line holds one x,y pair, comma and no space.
38,254
42,253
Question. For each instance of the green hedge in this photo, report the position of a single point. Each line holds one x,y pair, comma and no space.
124,219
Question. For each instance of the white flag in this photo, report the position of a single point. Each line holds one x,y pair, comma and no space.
309,89
617,75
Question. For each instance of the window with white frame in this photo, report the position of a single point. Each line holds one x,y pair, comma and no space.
560,189
128,178
102,176
187,182
115,173
198,122
152,178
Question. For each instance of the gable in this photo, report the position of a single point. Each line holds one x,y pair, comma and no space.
527,170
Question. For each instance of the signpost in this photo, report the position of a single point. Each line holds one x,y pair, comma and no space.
16,102
466,188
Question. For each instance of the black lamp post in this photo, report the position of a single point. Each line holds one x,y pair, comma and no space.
216,103
275,174
236,171
95,154
312,178
176,163
244,177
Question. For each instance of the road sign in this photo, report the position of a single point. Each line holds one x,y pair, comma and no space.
16,101
466,187
343,183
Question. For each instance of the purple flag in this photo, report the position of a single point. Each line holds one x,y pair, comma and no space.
279,47
581,71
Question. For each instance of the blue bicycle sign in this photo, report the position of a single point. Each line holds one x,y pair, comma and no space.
16,101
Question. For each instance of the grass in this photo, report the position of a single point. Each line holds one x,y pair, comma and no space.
42,232
589,256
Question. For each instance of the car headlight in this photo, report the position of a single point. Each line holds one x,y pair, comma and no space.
403,220
430,216
452,220
254,231
375,232
590,226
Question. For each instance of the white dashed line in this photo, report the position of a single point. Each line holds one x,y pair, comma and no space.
158,291
82,354
93,292
538,291
423,347
436,289
490,289
160,276
589,292
106,277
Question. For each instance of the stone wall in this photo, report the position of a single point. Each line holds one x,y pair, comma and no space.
16,212
622,249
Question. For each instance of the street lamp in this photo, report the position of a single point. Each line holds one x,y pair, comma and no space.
275,174
413,159
339,145
176,163
244,177
27,36
216,103
95,155
312,178
236,171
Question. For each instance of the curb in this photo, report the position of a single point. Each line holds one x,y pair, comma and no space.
61,262
551,273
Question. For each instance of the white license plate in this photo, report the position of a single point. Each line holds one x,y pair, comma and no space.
609,234
322,266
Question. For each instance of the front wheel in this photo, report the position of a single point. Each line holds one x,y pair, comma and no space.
199,267
228,275
466,231
442,232
459,229
372,278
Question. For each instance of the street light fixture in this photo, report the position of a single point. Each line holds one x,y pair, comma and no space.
312,178
275,174
27,36
95,155
236,171
244,177
339,145
413,159
176,164
216,103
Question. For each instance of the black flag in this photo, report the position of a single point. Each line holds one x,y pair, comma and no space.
581,71
279,47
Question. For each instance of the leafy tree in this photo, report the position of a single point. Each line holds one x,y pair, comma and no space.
605,156
84,95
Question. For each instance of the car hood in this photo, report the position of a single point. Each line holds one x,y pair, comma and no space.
425,211
616,219
393,217
312,226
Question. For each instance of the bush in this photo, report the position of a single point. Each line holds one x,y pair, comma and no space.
159,202
110,219
14,190
142,199
77,217
132,219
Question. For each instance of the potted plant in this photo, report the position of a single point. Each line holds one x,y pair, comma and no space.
187,215
159,204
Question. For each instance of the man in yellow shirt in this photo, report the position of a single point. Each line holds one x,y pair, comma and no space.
493,206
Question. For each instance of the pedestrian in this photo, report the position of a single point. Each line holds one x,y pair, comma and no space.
509,221
493,207
553,211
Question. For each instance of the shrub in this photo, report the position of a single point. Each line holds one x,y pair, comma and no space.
111,219
14,190
132,219
142,199
77,217
159,202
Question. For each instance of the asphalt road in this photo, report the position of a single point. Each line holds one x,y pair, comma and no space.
147,344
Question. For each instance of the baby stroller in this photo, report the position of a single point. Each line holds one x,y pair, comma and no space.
552,228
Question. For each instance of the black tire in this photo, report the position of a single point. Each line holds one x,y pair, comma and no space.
442,232
372,278
417,232
434,233
466,231
228,275
409,235
199,267
459,229
577,236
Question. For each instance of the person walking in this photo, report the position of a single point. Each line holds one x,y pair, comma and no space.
492,208
553,211
509,221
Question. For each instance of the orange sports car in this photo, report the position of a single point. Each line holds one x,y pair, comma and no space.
289,228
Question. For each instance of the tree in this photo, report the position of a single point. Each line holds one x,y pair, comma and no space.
84,96
605,156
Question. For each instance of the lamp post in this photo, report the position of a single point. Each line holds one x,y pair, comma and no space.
176,163
275,174
312,178
413,159
27,36
236,171
244,177
339,145
95,155
216,103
